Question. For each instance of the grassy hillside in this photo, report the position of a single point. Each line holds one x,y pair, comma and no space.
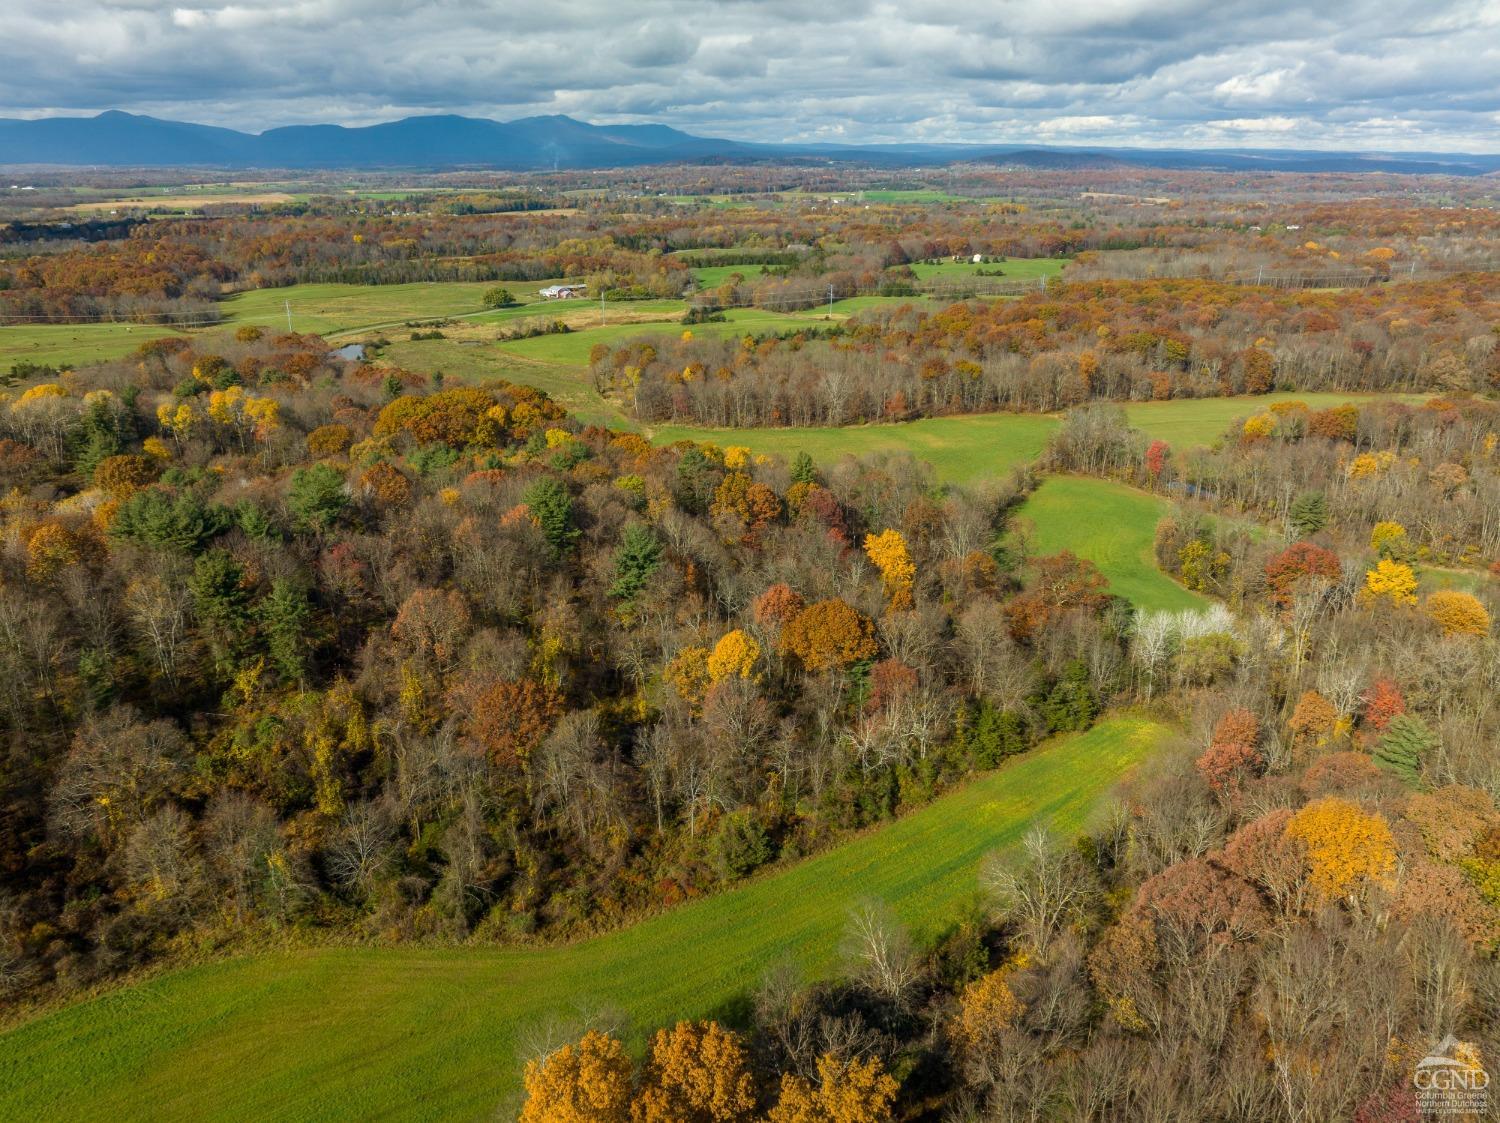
1114,527
433,1034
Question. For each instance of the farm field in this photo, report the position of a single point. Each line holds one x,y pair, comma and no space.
710,276
327,309
573,348
1185,422
73,344
191,201
1012,269
961,450
485,361
1112,526
330,309
361,1033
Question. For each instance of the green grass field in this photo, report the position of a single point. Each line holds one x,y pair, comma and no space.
963,450
396,1034
1200,421
1112,526
325,309
710,276
1012,269
73,344
329,309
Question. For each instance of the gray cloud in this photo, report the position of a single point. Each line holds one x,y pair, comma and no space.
1397,74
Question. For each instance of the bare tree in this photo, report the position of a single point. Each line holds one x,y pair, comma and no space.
1042,890
880,953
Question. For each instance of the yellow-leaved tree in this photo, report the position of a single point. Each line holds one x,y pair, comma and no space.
1458,613
986,1008
695,1071
584,1083
733,656
1389,540
888,553
1391,583
847,1092
688,673
1348,848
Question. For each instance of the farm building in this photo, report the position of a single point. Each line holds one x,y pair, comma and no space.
562,292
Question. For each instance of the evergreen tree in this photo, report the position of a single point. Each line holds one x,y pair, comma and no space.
1309,513
1070,705
222,604
803,471
638,557
317,496
552,507
284,616
1408,739
185,523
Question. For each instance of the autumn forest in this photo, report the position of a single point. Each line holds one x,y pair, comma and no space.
580,703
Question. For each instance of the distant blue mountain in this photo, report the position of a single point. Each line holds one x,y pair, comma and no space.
117,139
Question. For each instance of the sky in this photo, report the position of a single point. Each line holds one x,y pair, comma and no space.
1349,74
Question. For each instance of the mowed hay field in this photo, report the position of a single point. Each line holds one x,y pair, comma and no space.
1012,269
1201,421
1112,526
397,1034
329,309
962,450
73,344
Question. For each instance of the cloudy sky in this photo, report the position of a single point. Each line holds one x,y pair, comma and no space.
1366,74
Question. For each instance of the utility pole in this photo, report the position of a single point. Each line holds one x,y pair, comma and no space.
601,306
830,298
288,305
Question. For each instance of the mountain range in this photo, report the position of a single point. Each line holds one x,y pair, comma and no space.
117,139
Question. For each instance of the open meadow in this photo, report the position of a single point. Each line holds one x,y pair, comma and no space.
427,1034
1112,526
963,450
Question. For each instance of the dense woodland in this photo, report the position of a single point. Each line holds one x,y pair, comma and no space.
1117,340
299,649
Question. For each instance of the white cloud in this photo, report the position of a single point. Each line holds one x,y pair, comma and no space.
1404,73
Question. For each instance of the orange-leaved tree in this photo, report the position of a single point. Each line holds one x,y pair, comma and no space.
697,1072
1347,847
848,1092
584,1083
828,634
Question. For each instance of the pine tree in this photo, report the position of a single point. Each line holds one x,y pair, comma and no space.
1309,513
552,508
803,471
1408,739
317,496
284,615
638,557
